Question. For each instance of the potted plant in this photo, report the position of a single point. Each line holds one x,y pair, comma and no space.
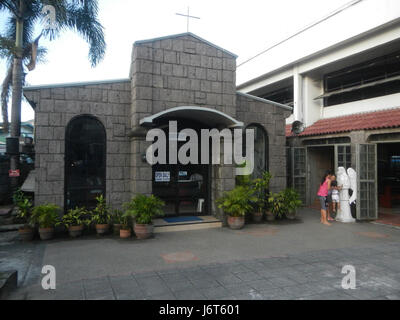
291,202
117,220
101,216
125,229
74,221
46,216
260,187
24,208
143,209
236,203
276,206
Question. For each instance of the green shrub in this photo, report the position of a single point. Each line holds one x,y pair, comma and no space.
261,190
144,208
117,217
291,200
46,215
75,217
277,204
237,201
100,214
24,206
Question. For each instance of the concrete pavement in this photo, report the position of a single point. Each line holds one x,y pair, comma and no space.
283,260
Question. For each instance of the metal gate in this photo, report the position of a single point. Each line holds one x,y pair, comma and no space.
299,170
342,156
367,182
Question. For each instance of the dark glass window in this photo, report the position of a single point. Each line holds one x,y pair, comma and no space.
261,146
284,96
85,162
381,73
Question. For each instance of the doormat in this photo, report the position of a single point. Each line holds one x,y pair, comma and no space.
182,219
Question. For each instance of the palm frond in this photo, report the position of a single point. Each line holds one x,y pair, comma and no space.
82,17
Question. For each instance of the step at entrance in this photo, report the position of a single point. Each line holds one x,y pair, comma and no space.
185,223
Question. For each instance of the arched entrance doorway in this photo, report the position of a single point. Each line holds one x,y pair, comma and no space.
185,188
85,162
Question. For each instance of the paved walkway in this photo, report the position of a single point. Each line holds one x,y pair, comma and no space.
284,260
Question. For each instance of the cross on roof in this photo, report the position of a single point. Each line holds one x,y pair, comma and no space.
188,17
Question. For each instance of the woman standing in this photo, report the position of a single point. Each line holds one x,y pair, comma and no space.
322,195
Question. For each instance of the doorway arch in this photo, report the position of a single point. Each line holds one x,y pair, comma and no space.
85,162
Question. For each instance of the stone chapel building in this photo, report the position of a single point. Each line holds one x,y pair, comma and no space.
90,138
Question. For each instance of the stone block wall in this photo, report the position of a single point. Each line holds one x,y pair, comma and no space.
272,118
179,71
54,108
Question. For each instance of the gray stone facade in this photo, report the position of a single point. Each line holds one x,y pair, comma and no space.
54,108
177,71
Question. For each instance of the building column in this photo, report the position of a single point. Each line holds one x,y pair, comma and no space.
297,95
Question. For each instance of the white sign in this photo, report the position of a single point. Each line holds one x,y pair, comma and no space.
162,176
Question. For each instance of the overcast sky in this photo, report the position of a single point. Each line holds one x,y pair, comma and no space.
242,27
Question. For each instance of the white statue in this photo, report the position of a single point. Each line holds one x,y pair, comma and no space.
346,181
353,184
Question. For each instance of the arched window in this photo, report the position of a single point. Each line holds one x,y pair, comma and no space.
261,154
85,162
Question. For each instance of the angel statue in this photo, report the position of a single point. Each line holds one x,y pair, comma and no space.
346,181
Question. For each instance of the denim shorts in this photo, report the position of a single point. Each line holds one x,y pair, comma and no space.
322,201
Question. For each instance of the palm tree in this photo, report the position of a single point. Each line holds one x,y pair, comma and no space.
18,45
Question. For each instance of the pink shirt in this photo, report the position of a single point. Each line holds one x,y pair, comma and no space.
323,189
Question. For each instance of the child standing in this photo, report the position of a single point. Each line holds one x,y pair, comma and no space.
335,196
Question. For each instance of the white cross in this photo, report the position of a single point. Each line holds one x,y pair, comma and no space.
188,16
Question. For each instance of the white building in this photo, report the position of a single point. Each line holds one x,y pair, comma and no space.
342,75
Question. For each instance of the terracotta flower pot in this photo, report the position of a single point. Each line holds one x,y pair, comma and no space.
257,217
291,215
75,231
125,233
143,231
116,228
235,223
26,233
102,228
269,216
46,233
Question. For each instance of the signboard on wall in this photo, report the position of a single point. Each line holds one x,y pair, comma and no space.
162,176
13,173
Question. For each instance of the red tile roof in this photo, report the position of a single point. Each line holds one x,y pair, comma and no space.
361,121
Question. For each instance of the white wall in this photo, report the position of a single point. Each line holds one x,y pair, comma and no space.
353,22
313,109
368,105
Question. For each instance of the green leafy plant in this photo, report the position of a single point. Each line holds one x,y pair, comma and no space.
24,206
117,217
126,221
260,187
100,214
243,180
75,217
237,201
144,208
291,200
46,215
276,203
